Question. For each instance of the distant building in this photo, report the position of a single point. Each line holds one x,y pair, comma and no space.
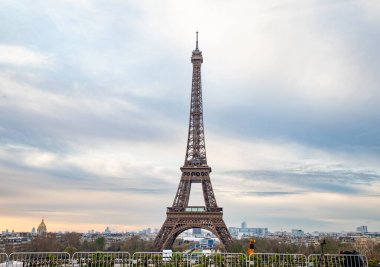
362,229
147,231
107,231
297,233
241,232
197,231
234,230
207,243
254,231
41,230
243,225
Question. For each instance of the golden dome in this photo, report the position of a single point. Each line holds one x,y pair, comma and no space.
41,230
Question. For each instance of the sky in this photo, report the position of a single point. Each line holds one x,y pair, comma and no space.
94,110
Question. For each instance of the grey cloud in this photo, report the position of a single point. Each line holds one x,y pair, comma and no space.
339,181
72,177
56,131
269,194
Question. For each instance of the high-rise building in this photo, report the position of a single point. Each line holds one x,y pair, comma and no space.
362,229
243,225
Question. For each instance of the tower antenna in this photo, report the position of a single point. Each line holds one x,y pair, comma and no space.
196,47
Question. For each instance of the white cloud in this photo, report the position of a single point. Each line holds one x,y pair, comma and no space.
372,9
259,154
23,95
22,56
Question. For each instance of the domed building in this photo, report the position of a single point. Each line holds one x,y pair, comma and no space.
41,230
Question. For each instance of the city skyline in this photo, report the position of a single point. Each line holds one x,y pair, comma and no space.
244,226
94,106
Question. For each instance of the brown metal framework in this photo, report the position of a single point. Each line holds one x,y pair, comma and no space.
181,216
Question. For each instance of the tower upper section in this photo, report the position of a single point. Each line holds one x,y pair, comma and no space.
196,58
196,149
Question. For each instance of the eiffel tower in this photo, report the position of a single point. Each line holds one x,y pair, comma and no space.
181,216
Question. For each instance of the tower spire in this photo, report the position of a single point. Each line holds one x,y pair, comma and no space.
196,46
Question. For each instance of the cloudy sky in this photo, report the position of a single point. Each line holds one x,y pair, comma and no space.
94,106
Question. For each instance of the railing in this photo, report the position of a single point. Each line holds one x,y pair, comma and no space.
140,259
38,259
337,260
174,259
194,209
187,209
3,259
101,259
218,259
277,260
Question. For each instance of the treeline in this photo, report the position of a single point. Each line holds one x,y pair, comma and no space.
266,245
71,243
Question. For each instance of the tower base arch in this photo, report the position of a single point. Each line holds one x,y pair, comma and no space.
177,222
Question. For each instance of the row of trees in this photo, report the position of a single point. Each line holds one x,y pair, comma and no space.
331,246
71,243
266,245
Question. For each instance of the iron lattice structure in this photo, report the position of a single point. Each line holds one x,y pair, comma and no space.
181,216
